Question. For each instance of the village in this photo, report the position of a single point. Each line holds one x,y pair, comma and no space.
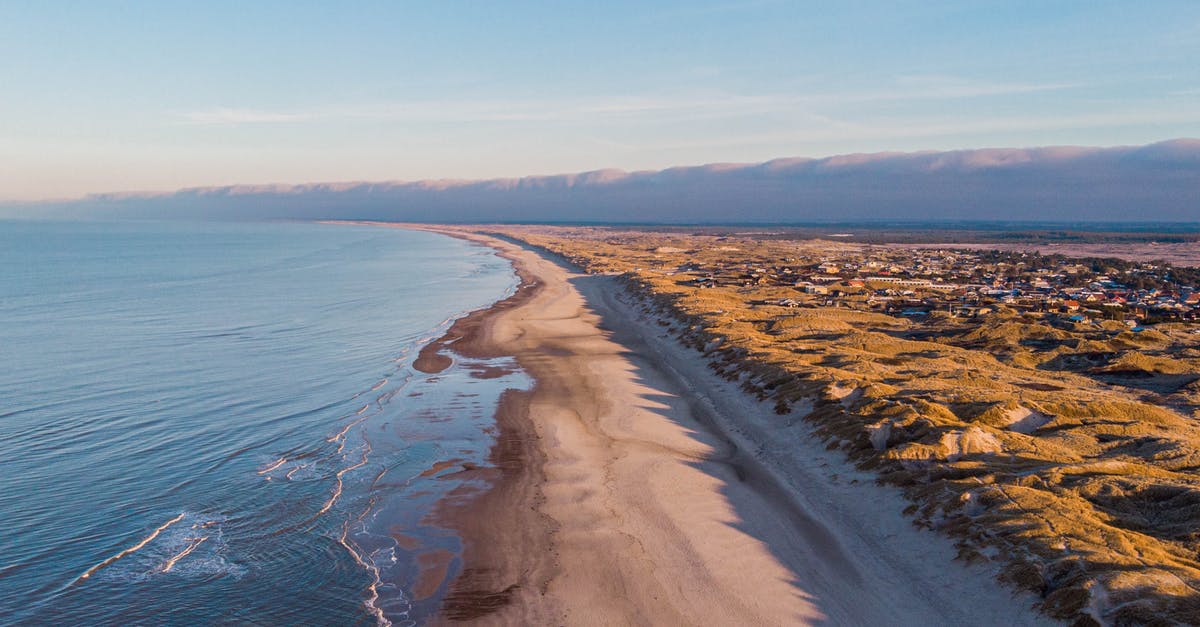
1129,323
967,284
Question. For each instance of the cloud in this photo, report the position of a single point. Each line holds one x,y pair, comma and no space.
694,105
832,130
227,116
473,111
927,87
1154,182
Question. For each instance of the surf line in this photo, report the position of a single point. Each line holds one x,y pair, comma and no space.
147,540
277,464
338,483
371,602
184,553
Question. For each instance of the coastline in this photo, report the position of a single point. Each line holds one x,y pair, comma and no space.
624,496
505,536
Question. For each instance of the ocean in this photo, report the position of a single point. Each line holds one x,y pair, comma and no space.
215,423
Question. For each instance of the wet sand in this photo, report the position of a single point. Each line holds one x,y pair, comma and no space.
630,486
507,552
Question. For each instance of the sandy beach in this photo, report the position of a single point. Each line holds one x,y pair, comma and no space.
633,486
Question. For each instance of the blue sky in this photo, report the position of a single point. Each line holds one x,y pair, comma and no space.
105,96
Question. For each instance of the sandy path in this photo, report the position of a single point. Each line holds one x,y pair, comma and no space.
669,497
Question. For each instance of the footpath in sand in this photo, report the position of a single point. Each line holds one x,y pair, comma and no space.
652,493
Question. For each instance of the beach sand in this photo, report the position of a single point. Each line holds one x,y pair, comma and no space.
636,487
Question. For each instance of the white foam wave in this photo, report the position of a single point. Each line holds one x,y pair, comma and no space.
133,549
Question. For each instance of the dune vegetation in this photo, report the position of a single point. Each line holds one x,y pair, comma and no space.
1064,452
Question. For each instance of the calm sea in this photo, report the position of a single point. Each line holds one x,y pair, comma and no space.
218,423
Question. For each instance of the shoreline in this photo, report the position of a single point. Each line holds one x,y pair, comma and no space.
494,572
626,495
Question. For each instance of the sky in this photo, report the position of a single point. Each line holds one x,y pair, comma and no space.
100,96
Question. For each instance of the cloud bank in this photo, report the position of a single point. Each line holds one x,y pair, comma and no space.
1158,182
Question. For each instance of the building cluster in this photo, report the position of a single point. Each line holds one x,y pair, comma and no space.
915,283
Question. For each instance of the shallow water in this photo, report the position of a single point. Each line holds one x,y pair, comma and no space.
219,423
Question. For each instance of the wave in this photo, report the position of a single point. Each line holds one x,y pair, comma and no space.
281,461
133,549
195,542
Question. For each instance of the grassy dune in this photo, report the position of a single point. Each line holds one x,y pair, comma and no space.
1066,453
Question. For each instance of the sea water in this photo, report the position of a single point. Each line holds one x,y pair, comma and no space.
219,423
